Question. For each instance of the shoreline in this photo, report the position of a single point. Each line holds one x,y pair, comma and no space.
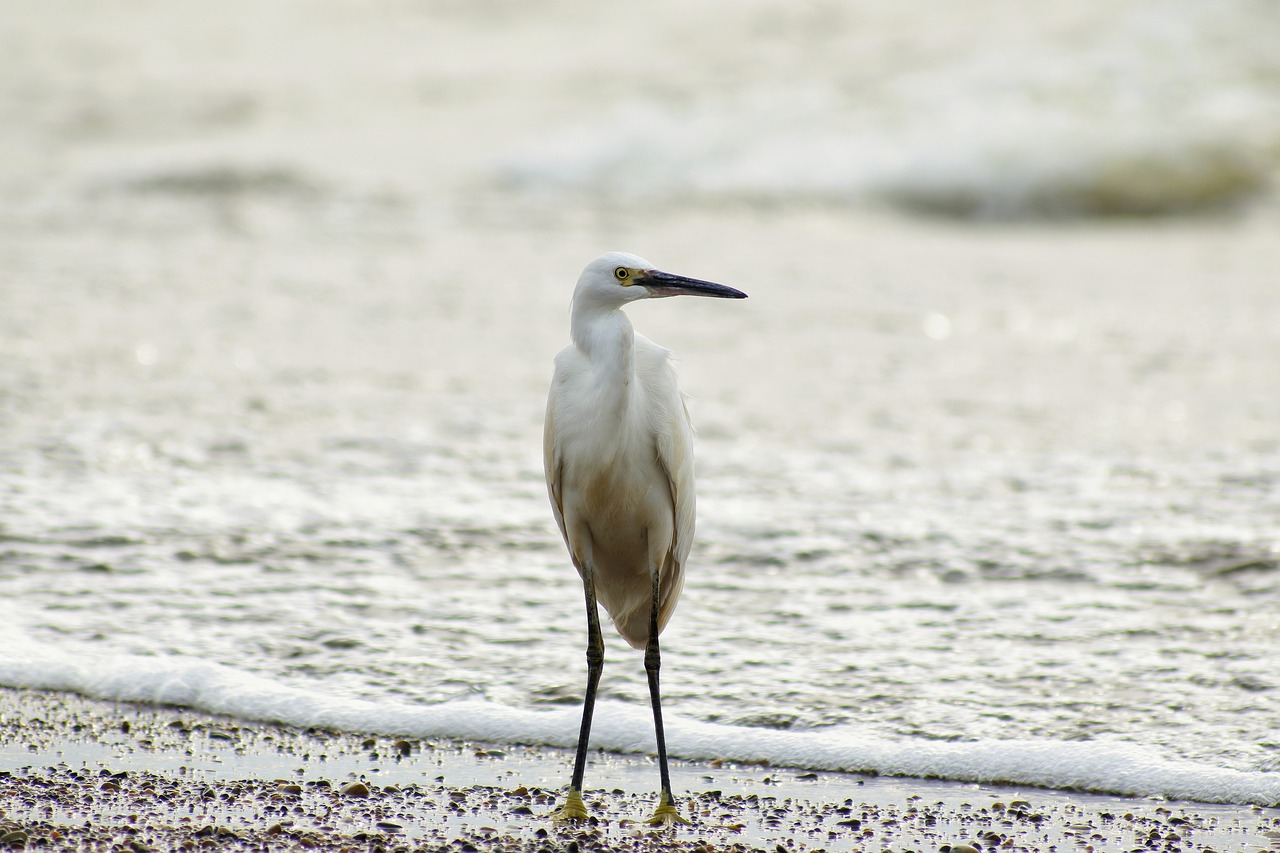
78,773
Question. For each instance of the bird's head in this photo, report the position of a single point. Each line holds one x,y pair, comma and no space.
616,278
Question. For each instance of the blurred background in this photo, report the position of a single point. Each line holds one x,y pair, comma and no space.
992,451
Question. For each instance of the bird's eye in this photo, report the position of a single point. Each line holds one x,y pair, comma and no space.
622,273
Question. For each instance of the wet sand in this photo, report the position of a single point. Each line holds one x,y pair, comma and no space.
78,773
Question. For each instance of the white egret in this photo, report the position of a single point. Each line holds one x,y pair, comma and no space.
618,451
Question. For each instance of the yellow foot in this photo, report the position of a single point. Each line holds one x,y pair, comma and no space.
665,814
573,809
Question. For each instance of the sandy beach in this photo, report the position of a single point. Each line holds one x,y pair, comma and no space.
81,774
988,462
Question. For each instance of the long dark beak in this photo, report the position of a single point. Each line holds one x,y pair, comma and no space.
660,283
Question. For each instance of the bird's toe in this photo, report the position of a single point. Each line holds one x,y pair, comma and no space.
666,814
574,808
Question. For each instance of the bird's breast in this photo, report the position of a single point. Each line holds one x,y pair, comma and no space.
610,475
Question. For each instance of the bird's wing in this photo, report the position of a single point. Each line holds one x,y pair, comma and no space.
673,435
553,467
675,455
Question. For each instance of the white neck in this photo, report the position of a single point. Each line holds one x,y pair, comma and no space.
605,336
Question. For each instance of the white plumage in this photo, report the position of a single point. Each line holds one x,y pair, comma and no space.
618,452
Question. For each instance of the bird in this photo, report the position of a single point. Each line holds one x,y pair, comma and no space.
618,455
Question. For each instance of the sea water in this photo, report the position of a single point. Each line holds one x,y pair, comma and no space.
989,479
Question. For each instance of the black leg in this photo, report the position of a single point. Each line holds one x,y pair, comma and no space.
595,666
666,813
574,808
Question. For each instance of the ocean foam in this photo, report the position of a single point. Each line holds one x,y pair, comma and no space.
1110,768
1169,109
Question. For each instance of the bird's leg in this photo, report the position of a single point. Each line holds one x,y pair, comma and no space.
665,814
574,808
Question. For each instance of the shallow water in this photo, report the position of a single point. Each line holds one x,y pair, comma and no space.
278,327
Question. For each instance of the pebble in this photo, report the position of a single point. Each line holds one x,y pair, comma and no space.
144,810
